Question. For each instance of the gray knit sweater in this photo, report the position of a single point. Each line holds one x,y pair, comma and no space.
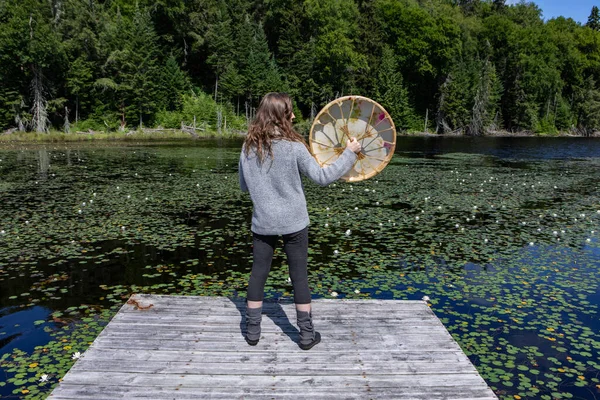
276,188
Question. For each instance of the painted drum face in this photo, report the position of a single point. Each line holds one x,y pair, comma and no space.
359,117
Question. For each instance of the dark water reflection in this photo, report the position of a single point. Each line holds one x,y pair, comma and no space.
530,148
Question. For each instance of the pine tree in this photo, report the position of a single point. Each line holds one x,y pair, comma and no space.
174,84
594,19
499,4
588,100
219,39
79,82
391,93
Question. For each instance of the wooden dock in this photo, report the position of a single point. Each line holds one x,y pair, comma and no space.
188,347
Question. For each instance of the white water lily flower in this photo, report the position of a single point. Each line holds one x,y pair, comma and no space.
327,209
439,207
377,203
26,222
457,225
485,240
334,294
122,228
582,215
531,243
336,252
355,208
348,232
44,378
357,291
555,233
79,211
94,194
372,231
326,225
425,298
417,218
289,279
588,240
366,190
128,196
118,188
146,199
2,232
380,224
76,355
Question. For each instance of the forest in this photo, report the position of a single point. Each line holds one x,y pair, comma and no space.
446,66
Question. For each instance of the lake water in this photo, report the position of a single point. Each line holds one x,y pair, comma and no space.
500,233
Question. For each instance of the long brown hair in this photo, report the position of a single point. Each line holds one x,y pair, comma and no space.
273,121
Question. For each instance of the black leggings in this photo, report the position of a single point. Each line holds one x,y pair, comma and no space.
295,246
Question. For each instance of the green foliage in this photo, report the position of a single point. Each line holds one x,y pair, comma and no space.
471,65
201,108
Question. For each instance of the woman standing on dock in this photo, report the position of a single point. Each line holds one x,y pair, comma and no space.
273,158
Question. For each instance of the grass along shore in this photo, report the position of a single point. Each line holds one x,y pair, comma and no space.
177,134
144,134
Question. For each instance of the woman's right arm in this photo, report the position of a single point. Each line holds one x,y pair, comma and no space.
323,176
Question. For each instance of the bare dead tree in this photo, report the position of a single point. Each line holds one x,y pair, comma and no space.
67,125
39,110
482,99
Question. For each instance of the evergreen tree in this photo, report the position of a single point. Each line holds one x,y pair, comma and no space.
594,19
588,107
79,81
499,4
220,42
391,93
174,84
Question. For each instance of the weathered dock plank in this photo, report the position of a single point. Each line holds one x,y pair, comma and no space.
189,347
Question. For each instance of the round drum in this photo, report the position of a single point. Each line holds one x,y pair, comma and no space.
359,117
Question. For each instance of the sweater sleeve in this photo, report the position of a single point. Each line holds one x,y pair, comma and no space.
323,176
243,185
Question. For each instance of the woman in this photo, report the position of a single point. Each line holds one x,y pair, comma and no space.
273,158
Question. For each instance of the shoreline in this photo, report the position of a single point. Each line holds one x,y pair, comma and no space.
178,135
